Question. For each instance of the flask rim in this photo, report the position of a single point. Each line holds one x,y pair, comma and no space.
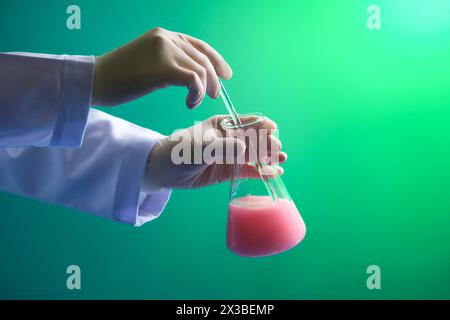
227,122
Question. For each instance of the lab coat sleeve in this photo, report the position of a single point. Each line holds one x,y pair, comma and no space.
44,99
103,177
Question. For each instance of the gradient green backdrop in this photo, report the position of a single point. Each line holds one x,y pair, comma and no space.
364,116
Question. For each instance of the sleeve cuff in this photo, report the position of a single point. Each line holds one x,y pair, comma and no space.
132,206
151,206
78,81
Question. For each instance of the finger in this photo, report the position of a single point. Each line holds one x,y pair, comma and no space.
252,172
268,124
274,159
274,145
216,121
248,171
283,157
188,63
280,170
222,68
213,86
192,81
265,123
261,147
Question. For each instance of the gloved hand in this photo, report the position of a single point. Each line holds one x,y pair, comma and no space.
164,169
158,59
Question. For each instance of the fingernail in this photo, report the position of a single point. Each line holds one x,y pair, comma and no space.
231,72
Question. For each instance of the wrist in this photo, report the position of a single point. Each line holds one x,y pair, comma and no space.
153,171
95,100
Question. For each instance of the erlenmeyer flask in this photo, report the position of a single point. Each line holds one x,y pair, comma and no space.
262,218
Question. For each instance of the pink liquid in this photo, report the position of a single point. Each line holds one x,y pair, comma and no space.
259,227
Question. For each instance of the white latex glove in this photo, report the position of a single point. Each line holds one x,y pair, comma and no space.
162,172
158,59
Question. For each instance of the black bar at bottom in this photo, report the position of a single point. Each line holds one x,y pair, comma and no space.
224,309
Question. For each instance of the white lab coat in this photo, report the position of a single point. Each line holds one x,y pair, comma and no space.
55,148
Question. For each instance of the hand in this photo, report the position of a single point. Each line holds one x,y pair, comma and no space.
165,171
158,59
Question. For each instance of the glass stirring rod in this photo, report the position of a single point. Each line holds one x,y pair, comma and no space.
237,122
227,101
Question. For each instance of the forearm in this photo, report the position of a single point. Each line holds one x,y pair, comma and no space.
103,177
44,99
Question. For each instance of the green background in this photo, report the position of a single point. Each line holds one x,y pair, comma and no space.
364,116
